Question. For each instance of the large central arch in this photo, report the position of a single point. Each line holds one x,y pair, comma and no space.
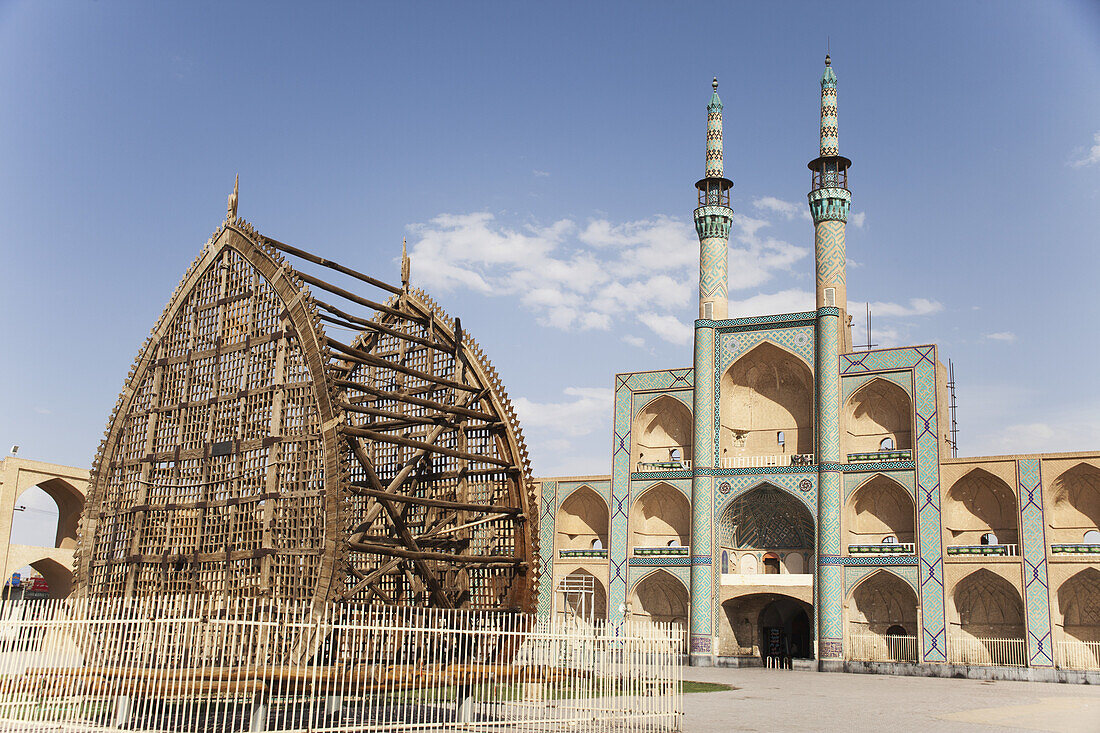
766,392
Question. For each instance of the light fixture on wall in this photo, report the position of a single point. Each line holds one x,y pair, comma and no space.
14,449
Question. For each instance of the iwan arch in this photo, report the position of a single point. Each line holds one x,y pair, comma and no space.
787,493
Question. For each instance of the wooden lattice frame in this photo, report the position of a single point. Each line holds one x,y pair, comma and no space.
253,452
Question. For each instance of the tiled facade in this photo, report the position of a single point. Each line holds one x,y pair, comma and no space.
956,537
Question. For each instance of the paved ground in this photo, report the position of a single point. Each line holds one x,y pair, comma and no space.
783,700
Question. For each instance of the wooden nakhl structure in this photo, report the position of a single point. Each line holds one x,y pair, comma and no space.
281,436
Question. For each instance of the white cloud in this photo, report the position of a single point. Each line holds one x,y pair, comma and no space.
579,416
858,219
540,174
755,259
668,327
916,307
1001,336
785,301
1091,156
786,209
634,340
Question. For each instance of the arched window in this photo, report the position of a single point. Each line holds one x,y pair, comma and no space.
597,544
780,439
896,630
673,543
886,444
674,455
771,564
725,562
1092,537
989,539
889,540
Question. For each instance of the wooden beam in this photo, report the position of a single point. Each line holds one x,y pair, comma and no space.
380,328
363,357
357,487
497,560
420,401
283,247
419,444
348,295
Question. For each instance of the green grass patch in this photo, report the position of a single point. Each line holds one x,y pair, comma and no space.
689,687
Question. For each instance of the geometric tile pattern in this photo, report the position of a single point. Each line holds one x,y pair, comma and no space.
853,575
703,581
673,380
830,587
714,136
829,144
799,340
903,379
547,513
922,360
829,253
1033,548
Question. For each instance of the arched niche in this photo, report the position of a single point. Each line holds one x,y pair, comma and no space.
1075,504
794,563
877,411
1079,605
879,508
575,600
880,602
766,518
582,519
987,606
767,391
660,515
660,597
979,503
70,504
661,429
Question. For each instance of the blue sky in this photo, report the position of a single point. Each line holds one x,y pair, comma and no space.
540,159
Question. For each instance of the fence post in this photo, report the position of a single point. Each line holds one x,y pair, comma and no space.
258,721
121,715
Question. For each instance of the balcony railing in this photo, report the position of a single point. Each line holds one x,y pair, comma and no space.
962,649
781,459
895,548
681,465
1073,654
880,455
986,550
602,553
1074,548
877,648
675,551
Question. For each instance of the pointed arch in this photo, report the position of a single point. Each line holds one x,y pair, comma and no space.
661,429
878,410
1079,605
878,508
659,516
766,518
767,390
988,606
661,597
882,600
70,505
582,519
979,503
1075,503
578,603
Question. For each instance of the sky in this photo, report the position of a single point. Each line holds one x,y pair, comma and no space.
540,160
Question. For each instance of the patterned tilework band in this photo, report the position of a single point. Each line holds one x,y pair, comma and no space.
714,137
830,589
829,144
1036,584
702,488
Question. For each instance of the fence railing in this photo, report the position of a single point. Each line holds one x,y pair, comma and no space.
1073,654
964,649
986,550
884,548
254,665
781,459
869,647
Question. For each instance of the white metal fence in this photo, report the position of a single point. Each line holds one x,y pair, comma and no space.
878,648
183,664
1073,654
963,649
780,459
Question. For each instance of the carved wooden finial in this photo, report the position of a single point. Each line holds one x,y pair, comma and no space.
404,265
231,206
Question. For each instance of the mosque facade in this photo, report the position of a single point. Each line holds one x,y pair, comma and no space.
789,494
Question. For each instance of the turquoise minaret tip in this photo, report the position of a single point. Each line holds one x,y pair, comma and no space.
829,144
715,164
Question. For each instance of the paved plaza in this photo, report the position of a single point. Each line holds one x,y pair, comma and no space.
783,700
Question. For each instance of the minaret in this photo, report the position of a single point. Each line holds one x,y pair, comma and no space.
829,202
713,218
